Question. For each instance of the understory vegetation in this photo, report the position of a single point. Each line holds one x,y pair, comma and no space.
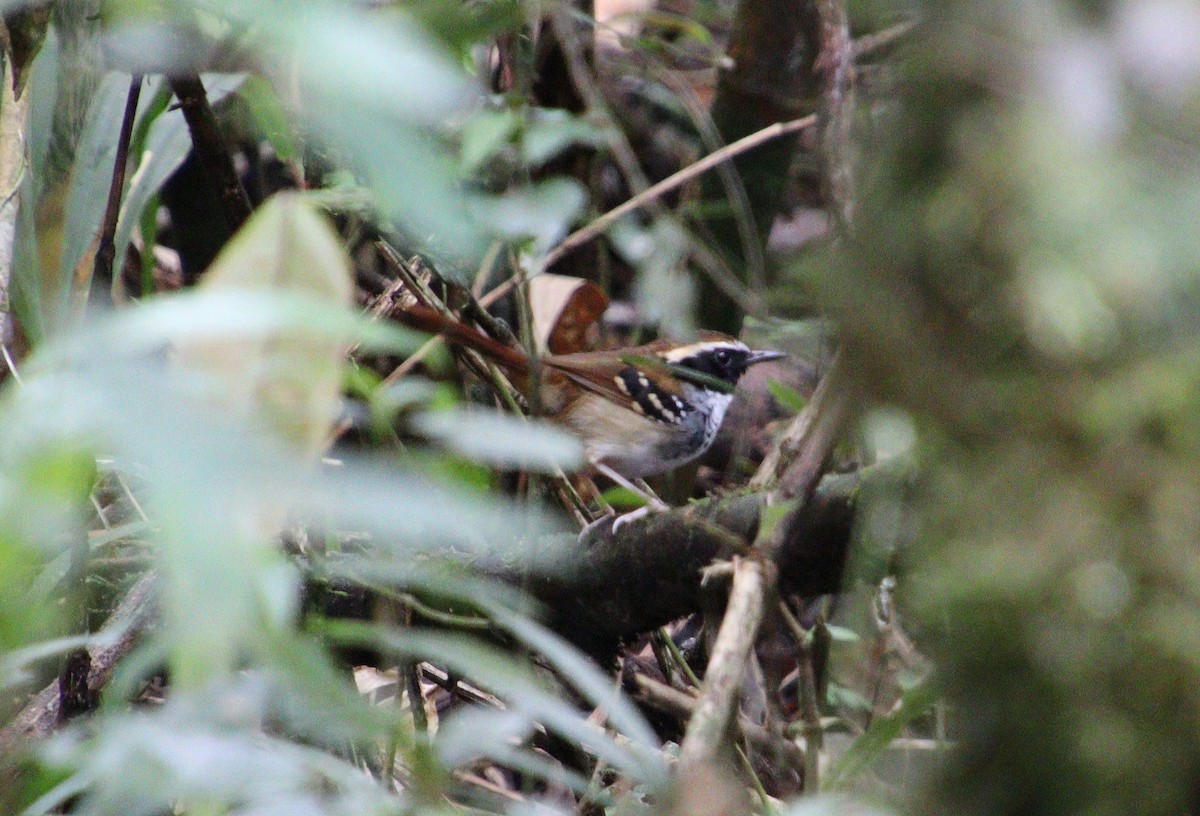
266,548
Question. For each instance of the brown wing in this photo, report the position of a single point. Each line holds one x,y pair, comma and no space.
598,372
621,378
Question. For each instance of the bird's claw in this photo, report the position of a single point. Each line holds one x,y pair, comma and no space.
619,521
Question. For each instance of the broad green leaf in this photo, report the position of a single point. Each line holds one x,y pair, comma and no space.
551,131
377,88
25,287
375,62
542,212
91,177
205,316
464,25
835,805
411,513
204,748
484,134
487,436
43,92
500,673
665,293
269,113
377,91
580,671
469,734
14,666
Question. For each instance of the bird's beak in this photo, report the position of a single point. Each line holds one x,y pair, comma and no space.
764,356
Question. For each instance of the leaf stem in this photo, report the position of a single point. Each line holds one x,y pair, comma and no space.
106,251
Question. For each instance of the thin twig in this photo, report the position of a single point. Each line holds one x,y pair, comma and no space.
755,781
486,370
870,43
132,498
677,655
11,363
416,698
99,510
709,262
804,455
794,465
752,580
678,179
683,705
735,187
651,194
810,713
106,250
585,84
491,787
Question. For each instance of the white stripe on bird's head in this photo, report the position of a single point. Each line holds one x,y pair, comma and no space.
684,352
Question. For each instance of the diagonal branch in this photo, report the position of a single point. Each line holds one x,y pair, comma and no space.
42,715
674,181
211,149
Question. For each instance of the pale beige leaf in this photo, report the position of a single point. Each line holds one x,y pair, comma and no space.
286,382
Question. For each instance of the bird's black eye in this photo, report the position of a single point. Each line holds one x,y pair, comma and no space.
724,357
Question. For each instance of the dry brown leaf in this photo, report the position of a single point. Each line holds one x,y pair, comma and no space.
564,311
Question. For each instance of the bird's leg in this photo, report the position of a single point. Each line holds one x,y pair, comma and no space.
653,503
643,490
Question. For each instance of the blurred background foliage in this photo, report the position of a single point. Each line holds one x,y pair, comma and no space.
1010,274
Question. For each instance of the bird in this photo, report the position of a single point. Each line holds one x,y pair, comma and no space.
638,411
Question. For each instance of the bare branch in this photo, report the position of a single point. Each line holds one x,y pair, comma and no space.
753,579
41,715
211,149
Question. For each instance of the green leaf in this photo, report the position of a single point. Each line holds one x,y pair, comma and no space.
412,513
842,634
580,671
377,88
551,131
509,442
787,396
542,212
498,672
204,748
622,497
269,113
91,176
472,733
915,703
27,283
485,133
664,292
834,805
